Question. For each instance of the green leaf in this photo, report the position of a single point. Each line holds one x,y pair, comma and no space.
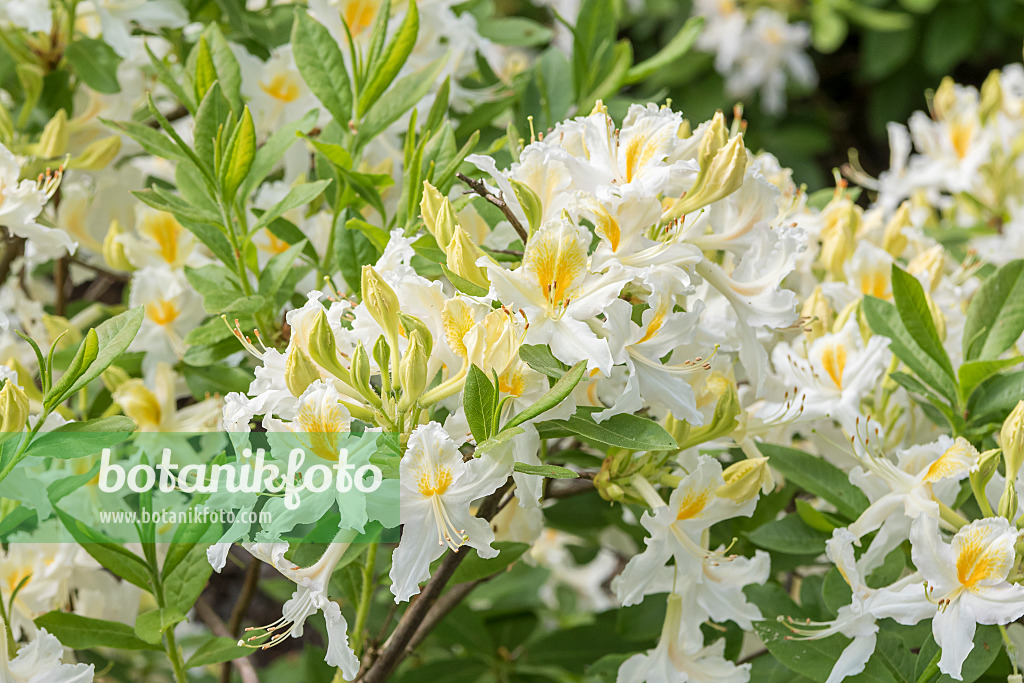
85,633
674,50
397,53
79,439
239,156
912,305
994,398
184,584
399,99
277,270
205,71
462,284
995,317
352,251
298,195
814,518
149,139
475,568
84,357
540,358
974,372
111,555
214,112
817,476
271,152
631,432
951,34
550,471
480,400
114,336
216,651
216,284
789,536
150,626
553,396
229,74
884,319
319,60
516,31
96,64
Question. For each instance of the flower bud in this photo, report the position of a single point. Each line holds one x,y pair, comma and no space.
140,404
893,239
745,479
928,263
462,256
113,249
679,429
411,323
382,357
113,377
494,343
13,408
715,138
817,314
722,423
1011,440
323,347
381,301
361,375
991,96
413,371
54,140
97,155
437,213
837,236
944,99
720,178
299,371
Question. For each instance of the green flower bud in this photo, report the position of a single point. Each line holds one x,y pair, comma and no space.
97,155
299,371
413,371
361,375
411,323
462,254
746,479
381,301
530,202
817,314
893,239
722,176
113,250
437,214
323,348
54,140
1011,440
991,96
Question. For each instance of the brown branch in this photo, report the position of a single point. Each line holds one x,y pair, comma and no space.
100,270
478,188
179,112
13,248
214,623
60,285
398,644
567,488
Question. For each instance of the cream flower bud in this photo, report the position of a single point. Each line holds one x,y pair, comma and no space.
715,138
113,249
817,314
893,239
720,178
411,323
299,371
1011,440
530,203
98,154
837,236
323,347
746,479
944,99
381,301
413,371
54,140
140,404
437,214
991,96
113,377
462,255
494,343
928,263
13,408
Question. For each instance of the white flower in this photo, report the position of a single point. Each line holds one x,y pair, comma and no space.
40,662
437,487
675,659
118,16
173,309
559,294
839,371
309,598
21,203
31,15
965,585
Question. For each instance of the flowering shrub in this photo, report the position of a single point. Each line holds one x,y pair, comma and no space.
402,330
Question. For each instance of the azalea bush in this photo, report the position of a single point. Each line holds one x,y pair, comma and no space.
370,341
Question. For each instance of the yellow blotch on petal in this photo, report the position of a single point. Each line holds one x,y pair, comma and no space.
434,483
693,504
833,359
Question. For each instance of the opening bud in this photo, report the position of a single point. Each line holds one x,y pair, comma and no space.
746,479
299,371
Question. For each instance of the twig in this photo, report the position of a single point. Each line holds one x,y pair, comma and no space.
478,187
117,277
13,248
752,656
179,112
60,285
210,618
569,487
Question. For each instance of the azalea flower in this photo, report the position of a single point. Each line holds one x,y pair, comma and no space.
437,488
309,598
40,662
21,202
675,659
559,295
965,585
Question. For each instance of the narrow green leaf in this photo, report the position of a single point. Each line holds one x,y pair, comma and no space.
79,439
815,475
550,471
631,432
673,50
398,100
553,396
150,626
96,64
85,633
480,401
216,651
322,66
396,54
995,317
240,155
